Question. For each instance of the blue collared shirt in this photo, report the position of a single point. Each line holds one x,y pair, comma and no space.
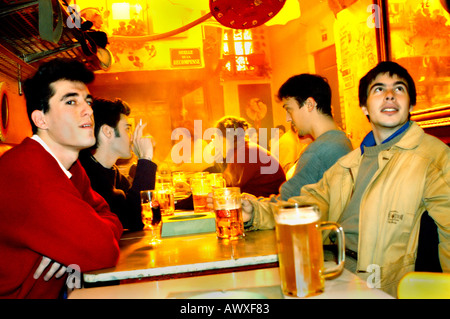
369,140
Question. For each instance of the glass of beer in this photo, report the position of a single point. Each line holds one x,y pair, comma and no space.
300,250
227,207
151,215
181,185
200,189
166,193
216,180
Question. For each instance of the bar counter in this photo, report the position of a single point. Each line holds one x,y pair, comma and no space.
187,255
250,284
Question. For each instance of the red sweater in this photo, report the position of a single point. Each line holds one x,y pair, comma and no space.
43,213
254,170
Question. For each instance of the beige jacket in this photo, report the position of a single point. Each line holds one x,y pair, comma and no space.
413,177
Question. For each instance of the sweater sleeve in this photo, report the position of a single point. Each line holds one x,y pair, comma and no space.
307,172
61,219
144,179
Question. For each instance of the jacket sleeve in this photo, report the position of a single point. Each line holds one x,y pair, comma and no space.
313,194
437,203
144,179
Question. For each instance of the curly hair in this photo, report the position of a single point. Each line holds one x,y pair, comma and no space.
227,123
232,124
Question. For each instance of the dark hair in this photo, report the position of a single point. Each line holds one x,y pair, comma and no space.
108,112
232,123
38,89
302,86
392,69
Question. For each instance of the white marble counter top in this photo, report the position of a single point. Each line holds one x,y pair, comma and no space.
260,283
186,254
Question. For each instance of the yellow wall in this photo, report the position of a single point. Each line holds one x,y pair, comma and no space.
356,53
292,47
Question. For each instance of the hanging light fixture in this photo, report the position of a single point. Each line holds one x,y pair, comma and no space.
244,14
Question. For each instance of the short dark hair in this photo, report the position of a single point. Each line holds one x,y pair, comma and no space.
302,86
391,68
108,112
38,90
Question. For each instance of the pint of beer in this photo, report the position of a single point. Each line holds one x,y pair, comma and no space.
151,215
300,250
166,193
201,187
227,207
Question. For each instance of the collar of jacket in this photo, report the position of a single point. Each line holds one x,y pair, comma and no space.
410,140
369,140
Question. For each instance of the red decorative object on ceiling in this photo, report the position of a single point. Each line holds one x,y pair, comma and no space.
244,14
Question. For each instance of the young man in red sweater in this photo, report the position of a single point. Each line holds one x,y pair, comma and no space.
49,213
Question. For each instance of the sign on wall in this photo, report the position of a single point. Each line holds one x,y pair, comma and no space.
185,57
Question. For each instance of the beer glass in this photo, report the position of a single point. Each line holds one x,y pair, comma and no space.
227,207
216,180
166,193
200,189
300,250
151,215
181,185
178,177
201,174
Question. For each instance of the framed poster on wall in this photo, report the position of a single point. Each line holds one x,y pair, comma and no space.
255,103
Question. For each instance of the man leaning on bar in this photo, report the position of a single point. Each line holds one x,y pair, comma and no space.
382,191
50,217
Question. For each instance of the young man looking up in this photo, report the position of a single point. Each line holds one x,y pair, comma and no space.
380,191
113,134
49,210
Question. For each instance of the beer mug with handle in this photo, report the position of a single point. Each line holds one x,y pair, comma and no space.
300,249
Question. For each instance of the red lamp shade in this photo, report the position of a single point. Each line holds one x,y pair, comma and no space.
244,14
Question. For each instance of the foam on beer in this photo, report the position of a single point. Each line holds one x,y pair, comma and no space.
227,205
297,216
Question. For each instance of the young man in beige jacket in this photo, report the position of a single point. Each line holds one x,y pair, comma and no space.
380,191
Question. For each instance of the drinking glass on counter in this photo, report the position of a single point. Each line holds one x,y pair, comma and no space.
227,207
300,249
151,215
163,176
181,185
201,174
200,189
216,180
166,193
179,177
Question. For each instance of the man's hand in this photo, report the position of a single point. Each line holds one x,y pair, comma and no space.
56,269
247,207
142,145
